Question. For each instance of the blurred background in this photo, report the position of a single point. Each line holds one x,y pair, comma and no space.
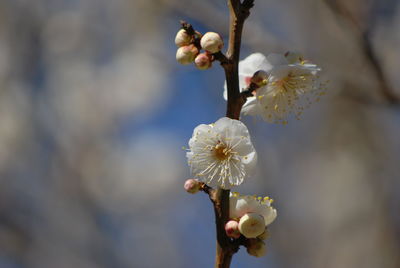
94,112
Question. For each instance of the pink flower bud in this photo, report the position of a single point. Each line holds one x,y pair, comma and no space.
182,38
211,42
186,54
203,61
251,225
259,78
256,247
232,229
192,186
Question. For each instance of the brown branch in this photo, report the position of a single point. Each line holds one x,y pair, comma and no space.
195,35
249,91
238,12
226,246
187,27
219,56
364,39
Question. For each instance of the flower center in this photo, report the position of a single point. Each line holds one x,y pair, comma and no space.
221,152
291,83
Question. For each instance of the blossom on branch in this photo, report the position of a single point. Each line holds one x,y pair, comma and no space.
240,205
221,154
290,89
290,86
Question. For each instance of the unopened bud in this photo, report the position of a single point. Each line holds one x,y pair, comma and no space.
186,54
256,247
211,42
182,38
192,186
260,78
252,225
203,61
264,235
294,57
232,229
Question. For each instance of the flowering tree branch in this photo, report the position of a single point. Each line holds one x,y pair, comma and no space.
226,247
221,155
238,12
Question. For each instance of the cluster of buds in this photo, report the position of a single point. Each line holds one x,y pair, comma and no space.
191,42
249,217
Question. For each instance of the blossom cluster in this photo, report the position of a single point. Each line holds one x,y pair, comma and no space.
250,216
189,46
222,155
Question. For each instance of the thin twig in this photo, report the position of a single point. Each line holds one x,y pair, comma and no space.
219,56
196,36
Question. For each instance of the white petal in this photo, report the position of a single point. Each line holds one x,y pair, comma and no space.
246,204
225,94
281,71
270,217
252,63
232,207
250,162
230,128
202,129
251,107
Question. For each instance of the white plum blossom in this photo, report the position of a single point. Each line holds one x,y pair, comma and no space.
292,84
240,205
221,154
290,89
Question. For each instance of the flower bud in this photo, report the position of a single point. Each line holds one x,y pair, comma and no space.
260,78
252,225
256,247
264,235
192,186
211,42
232,229
294,57
182,38
186,54
203,61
